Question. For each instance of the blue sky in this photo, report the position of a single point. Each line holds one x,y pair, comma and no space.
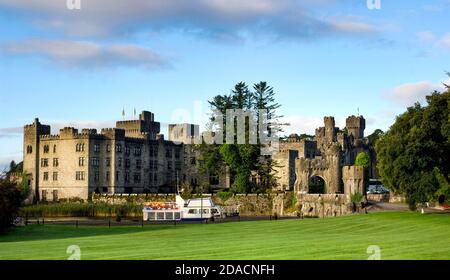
323,57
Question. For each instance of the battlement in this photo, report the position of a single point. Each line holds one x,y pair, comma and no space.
88,131
34,124
113,133
329,122
145,124
356,126
50,137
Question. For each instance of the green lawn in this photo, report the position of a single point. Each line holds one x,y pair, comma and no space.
399,235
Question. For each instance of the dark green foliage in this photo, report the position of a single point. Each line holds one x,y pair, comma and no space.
413,156
10,200
375,136
224,195
362,159
73,209
245,158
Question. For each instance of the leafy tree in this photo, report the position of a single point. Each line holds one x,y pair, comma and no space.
413,156
244,158
10,200
363,159
373,138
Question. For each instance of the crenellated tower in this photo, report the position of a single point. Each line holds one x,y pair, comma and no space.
355,126
31,152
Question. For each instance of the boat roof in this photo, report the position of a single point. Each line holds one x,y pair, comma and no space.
197,202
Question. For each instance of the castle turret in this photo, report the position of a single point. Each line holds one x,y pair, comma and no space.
145,125
330,124
355,126
31,135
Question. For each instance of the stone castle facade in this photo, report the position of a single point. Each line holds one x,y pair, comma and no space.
329,156
134,157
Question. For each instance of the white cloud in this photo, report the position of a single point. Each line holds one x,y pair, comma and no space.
409,93
426,36
211,18
429,37
87,54
353,26
444,41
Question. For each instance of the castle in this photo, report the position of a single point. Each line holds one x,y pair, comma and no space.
327,158
134,157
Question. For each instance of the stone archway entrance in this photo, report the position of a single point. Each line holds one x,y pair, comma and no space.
317,185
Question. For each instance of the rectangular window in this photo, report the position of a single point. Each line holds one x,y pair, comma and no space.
108,176
44,162
96,176
44,195
137,177
95,161
55,162
151,164
138,164
127,163
177,153
46,149
55,176
79,175
127,177
80,147
178,165
81,161
45,176
155,165
137,151
193,161
155,178
117,175
54,148
168,153
108,162
119,162
127,150
96,148
169,165
118,148
55,195
108,148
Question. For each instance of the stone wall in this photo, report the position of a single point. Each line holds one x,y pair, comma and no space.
289,204
249,205
284,204
320,205
396,198
132,198
378,197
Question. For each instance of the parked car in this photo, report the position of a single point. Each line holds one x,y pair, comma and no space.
377,189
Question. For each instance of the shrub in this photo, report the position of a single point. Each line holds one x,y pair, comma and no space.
356,198
224,195
291,201
76,209
10,200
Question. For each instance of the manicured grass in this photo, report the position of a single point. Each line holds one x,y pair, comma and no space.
399,235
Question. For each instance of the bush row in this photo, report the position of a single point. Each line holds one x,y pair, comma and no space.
71,209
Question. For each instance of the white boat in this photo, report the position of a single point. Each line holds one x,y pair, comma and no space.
197,209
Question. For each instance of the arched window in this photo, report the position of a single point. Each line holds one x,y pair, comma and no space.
29,149
54,148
